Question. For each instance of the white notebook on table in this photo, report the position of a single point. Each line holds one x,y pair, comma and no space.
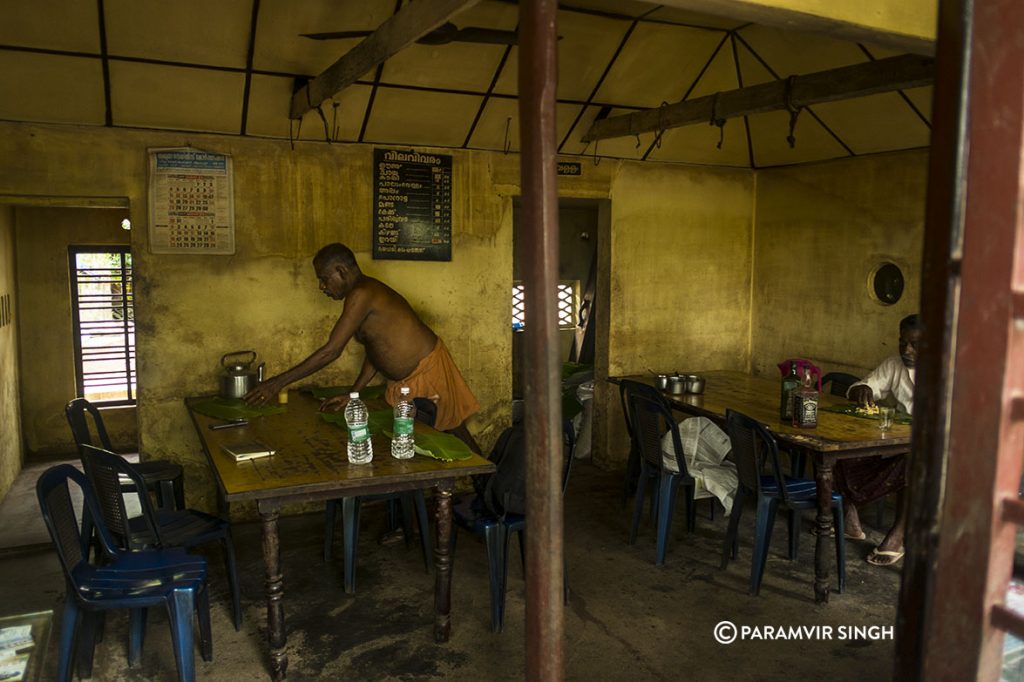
250,449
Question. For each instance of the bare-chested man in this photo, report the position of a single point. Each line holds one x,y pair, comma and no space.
398,345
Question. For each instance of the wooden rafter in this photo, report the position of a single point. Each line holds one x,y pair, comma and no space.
413,21
848,82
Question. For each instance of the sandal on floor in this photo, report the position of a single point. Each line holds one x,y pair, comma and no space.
884,557
848,536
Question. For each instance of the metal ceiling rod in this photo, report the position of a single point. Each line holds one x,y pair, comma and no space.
409,24
538,79
848,82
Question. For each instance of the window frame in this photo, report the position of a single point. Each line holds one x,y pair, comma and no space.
127,321
572,284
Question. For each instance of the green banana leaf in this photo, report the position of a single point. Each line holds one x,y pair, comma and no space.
442,446
851,410
232,409
368,393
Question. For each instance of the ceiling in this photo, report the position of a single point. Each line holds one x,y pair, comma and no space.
230,67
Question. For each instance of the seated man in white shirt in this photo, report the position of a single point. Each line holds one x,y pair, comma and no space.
867,479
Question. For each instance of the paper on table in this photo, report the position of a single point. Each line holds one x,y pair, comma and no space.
15,637
12,668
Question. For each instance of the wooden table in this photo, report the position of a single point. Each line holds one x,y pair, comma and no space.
837,436
311,464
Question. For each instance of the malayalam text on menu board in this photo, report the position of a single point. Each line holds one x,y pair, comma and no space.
191,202
412,205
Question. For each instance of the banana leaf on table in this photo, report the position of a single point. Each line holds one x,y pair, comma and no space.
442,446
233,409
852,410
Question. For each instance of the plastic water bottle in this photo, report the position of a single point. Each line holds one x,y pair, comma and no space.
405,415
360,448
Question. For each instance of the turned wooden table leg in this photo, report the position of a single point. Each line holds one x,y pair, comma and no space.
274,587
443,564
822,555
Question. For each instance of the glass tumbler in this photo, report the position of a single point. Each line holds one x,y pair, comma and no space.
885,417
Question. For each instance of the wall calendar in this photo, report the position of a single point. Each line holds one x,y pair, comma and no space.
191,202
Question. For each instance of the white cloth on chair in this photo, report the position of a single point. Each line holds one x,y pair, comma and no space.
705,447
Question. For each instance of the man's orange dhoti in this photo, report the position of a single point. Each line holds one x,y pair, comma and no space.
437,375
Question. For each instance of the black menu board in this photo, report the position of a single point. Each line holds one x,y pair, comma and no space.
412,205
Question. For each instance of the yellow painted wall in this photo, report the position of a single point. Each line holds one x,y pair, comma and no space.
680,278
47,353
820,231
10,417
192,309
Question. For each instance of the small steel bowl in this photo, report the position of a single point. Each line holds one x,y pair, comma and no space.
677,385
694,383
661,382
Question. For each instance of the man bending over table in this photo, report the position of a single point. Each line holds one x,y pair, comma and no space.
398,345
869,478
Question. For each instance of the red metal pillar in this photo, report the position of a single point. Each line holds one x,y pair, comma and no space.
963,549
538,78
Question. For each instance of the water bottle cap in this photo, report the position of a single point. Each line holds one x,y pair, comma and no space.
404,390
353,395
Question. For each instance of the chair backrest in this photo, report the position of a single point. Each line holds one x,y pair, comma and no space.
53,490
652,419
753,447
105,471
628,387
76,411
840,382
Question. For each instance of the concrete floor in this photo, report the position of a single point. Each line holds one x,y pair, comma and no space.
627,619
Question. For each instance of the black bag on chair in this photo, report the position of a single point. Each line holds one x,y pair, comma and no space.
504,491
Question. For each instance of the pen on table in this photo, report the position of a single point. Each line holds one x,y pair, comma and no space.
229,425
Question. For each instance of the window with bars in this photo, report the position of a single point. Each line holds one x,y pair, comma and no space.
103,320
566,305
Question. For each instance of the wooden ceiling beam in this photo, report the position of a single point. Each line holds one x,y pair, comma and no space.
848,82
904,26
413,21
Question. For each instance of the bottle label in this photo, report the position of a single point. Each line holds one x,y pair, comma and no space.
357,434
403,426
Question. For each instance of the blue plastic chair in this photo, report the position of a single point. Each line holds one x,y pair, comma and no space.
154,529
135,581
753,448
350,507
652,419
470,513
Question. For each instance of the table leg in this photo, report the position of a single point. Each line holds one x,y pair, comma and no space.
822,556
443,563
274,587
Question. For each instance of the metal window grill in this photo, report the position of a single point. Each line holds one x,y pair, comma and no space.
566,305
103,319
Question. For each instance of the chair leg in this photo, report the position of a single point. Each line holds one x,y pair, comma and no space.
230,564
180,610
840,524
766,507
666,510
178,487
794,533
406,502
731,544
424,521
136,636
494,538
691,509
68,637
632,470
350,524
86,647
655,502
205,631
638,506
330,514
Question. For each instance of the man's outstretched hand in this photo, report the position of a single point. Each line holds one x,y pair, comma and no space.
862,395
265,392
335,404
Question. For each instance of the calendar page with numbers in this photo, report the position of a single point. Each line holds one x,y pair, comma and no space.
191,202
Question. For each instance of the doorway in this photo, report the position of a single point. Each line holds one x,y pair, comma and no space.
579,223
